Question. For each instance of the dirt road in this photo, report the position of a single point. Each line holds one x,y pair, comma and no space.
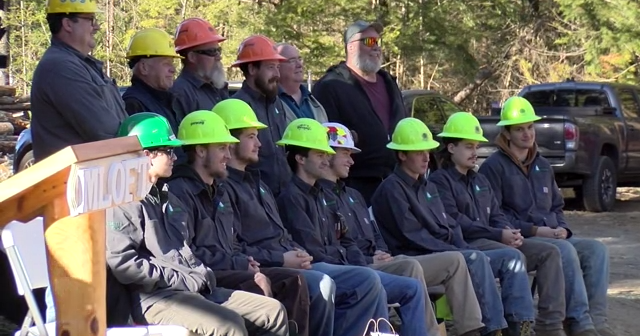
620,231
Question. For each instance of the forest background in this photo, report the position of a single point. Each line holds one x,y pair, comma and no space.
474,51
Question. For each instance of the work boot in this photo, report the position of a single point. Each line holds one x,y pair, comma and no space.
586,332
518,329
472,333
606,331
550,333
494,333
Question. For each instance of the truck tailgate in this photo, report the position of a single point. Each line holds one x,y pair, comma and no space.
549,136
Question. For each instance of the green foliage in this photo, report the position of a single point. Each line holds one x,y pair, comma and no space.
439,44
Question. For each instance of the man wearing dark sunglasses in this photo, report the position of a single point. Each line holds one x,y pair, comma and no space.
202,83
358,94
72,99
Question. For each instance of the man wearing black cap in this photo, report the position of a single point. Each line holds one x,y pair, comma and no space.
360,95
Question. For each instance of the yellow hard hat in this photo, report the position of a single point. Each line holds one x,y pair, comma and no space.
412,134
70,6
151,42
306,133
237,114
204,127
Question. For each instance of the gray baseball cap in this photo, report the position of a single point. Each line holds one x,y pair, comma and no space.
360,26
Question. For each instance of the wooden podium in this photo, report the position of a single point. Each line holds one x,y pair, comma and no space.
71,190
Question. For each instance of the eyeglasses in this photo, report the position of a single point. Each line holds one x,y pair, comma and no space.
213,52
369,41
92,19
166,151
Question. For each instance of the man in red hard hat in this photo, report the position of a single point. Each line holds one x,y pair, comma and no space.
259,61
202,83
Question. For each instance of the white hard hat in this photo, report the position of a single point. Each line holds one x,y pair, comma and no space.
340,137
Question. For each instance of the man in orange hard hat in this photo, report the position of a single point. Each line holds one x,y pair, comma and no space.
202,83
259,61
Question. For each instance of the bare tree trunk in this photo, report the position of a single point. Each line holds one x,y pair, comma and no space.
480,78
5,77
109,35
23,37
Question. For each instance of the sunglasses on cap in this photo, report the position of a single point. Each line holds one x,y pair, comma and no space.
369,41
213,52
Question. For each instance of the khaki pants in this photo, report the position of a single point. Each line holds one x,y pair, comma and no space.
287,286
241,314
449,270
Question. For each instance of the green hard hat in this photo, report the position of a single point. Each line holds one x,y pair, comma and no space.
204,127
306,133
412,134
463,125
517,110
152,129
237,114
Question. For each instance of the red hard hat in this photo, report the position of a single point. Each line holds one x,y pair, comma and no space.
194,32
257,48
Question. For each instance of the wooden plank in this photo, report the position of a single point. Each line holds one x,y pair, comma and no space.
32,188
77,270
9,91
33,198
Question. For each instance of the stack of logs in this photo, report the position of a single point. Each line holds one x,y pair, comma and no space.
13,118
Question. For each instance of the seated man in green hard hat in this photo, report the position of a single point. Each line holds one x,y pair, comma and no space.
310,215
447,268
198,185
524,186
467,198
149,250
413,221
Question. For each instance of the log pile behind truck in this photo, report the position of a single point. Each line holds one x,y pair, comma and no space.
14,118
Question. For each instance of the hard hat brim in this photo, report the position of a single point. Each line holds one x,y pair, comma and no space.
326,148
474,137
518,121
274,57
213,39
427,145
354,149
212,140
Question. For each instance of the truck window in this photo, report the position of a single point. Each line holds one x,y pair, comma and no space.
448,107
426,109
568,98
630,107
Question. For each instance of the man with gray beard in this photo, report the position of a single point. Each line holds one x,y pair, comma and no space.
259,62
202,83
358,94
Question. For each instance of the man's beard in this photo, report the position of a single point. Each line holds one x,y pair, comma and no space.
368,66
218,76
263,86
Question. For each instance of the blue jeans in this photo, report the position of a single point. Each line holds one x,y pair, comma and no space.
50,315
360,297
322,292
409,293
585,263
515,303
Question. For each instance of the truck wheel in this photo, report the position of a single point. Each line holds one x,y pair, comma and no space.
599,189
27,161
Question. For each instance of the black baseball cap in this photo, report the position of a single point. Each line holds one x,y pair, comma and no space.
360,26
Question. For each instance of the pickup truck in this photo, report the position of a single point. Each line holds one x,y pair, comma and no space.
589,132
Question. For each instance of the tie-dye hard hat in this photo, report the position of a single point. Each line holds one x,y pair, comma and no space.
340,137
